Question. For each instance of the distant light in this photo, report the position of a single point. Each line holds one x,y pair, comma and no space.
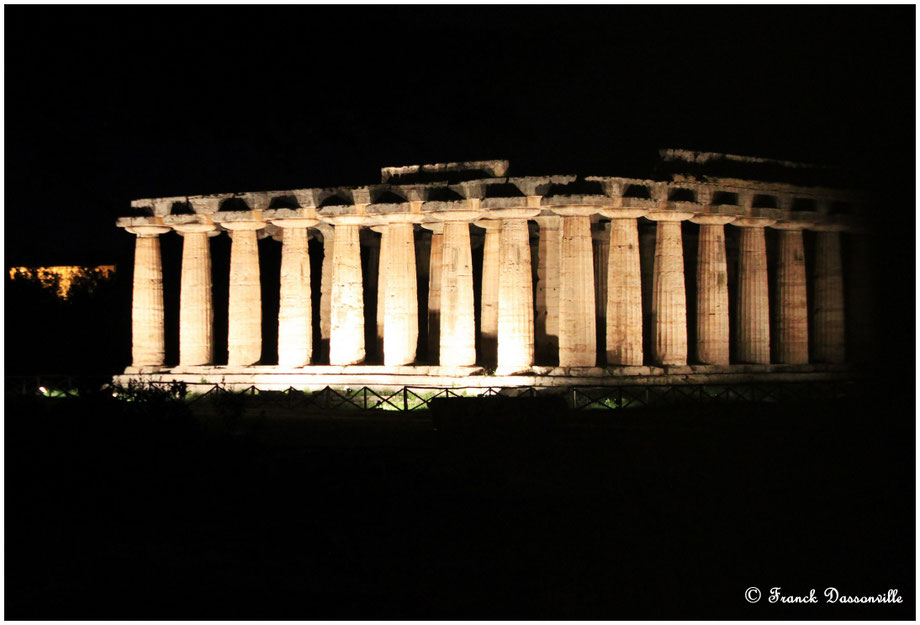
61,277
43,390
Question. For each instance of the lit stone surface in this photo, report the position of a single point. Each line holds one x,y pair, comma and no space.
488,319
577,334
546,337
752,322
515,298
400,332
791,340
196,313
244,319
346,338
325,298
624,295
381,286
669,296
295,313
147,343
435,260
457,340
828,308
712,325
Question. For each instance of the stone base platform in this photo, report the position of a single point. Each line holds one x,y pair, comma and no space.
317,377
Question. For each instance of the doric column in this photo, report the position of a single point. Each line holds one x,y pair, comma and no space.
515,290
458,325
752,322
577,334
435,259
712,326
295,311
601,244
669,295
829,338
148,348
244,319
546,328
381,288
325,298
196,313
346,338
790,345
488,318
400,290
624,289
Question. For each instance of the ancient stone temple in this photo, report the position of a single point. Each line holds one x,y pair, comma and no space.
460,274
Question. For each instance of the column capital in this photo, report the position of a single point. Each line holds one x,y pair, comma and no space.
276,215
488,224
575,210
514,213
294,223
624,213
666,215
712,220
468,216
436,227
791,225
753,222
146,231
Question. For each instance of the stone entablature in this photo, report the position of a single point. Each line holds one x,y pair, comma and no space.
583,278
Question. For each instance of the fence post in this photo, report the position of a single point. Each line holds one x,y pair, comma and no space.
405,398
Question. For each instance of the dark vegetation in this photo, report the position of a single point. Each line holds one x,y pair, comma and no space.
141,509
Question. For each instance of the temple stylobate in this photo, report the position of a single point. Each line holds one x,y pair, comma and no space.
459,274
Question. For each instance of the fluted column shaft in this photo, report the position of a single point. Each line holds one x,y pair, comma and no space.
752,323
577,334
669,296
382,288
601,246
295,312
515,296
244,319
549,255
457,337
435,259
488,319
828,291
325,298
346,339
400,331
791,306
712,324
196,313
148,348
624,295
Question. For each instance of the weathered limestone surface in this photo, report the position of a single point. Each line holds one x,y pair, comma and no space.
752,325
624,295
791,341
457,337
148,348
515,297
346,340
400,330
546,331
196,313
382,287
489,292
712,326
577,334
295,313
325,299
669,296
244,332
828,311
435,260
601,245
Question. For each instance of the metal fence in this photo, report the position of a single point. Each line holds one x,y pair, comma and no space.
416,398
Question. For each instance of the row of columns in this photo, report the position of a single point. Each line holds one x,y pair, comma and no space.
574,293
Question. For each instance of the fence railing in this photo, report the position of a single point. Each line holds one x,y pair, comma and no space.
416,398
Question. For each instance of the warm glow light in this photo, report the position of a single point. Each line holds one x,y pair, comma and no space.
63,276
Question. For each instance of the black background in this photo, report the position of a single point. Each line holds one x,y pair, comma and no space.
105,105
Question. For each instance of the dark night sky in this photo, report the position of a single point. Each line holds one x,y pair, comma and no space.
108,104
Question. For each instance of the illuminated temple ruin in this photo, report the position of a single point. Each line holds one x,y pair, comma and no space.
459,274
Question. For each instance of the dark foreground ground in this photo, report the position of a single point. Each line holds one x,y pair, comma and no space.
121,510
